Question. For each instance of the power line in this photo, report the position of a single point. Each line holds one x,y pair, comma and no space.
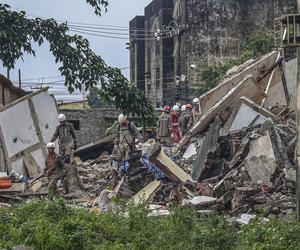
106,28
92,25
93,34
115,37
105,32
42,77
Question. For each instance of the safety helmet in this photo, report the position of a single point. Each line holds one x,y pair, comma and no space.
176,108
61,117
196,101
122,118
167,109
189,106
50,145
183,108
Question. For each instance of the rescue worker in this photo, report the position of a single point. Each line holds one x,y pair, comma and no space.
196,110
67,141
175,122
181,121
164,127
127,133
187,121
55,168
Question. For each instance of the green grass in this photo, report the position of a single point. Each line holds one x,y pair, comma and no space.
53,225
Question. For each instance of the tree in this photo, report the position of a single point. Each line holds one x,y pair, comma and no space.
80,65
94,99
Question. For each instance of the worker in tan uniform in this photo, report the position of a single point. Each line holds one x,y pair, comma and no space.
67,141
164,127
187,121
126,139
55,168
196,110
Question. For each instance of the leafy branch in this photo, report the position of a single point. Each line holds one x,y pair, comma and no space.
79,64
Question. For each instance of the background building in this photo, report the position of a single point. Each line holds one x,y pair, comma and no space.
196,33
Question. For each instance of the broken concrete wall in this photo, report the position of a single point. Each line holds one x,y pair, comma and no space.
291,71
26,126
224,107
208,99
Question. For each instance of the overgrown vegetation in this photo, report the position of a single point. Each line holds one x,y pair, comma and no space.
211,75
53,225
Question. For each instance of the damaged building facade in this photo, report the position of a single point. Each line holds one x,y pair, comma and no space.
200,33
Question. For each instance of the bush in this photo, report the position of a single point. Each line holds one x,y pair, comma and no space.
272,235
53,225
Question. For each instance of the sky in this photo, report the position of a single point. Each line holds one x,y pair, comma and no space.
42,68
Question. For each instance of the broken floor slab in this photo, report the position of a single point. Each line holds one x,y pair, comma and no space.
224,107
210,98
247,113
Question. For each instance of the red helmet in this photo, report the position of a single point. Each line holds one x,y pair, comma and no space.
189,106
167,109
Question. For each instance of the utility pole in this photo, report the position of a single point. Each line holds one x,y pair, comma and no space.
7,75
20,82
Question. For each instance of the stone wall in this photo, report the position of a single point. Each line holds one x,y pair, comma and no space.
89,124
218,29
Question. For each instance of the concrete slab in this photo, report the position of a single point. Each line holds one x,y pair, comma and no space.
224,107
203,200
247,113
260,162
209,99
190,151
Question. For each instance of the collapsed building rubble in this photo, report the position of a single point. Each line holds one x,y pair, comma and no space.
238,158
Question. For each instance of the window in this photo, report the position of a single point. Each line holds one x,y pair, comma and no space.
76,124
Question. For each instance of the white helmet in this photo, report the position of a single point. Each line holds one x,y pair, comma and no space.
196,101
122,118
61,117
183,108
51,145
176,108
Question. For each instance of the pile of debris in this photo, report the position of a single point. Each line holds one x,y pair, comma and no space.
238,158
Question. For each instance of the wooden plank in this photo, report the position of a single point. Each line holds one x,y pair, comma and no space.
163,162
16,188
32,167
144,194
37,185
